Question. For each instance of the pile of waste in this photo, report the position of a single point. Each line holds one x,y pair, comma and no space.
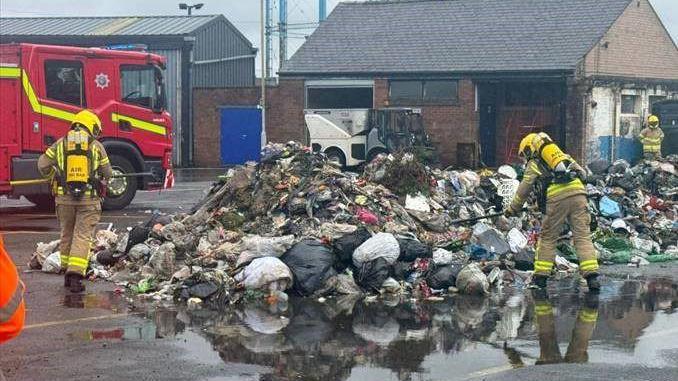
297,224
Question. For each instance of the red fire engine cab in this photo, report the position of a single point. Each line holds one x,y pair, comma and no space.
42,87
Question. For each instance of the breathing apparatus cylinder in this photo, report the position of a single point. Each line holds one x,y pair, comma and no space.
557,161
78,161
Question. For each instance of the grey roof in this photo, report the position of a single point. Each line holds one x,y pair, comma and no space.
454,36
103,26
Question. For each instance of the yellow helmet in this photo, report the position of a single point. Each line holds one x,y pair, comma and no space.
89,120
652,121
525,149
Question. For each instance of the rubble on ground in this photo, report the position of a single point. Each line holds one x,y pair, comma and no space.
296,223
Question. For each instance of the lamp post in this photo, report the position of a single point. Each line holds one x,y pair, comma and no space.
189,8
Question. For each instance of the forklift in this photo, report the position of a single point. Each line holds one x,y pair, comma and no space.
351,137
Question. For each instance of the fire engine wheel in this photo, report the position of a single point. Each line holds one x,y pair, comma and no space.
336,156
120,190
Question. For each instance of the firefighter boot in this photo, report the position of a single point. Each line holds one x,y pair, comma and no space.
75,283
593,283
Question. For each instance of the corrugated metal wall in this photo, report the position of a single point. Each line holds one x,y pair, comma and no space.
217,41
173,86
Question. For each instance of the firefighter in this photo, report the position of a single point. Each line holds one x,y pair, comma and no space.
79,167
577,350
562,198
651,138
12,308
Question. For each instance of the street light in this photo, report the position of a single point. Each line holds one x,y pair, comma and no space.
189,8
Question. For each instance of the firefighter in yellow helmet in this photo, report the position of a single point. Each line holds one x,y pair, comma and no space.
562,198
78,166
651,138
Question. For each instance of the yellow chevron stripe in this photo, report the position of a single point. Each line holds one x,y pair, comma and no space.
140,124
15,72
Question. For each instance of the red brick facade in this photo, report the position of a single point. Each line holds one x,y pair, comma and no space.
284,116
446,124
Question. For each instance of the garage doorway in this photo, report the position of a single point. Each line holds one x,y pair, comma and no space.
509,110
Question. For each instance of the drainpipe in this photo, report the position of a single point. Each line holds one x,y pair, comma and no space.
615,124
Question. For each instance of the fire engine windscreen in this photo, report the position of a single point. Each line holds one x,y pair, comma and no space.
143,85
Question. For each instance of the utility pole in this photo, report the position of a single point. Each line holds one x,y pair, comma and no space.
263,74
269,33
282,29
322,10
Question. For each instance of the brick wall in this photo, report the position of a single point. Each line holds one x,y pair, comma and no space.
638,46
284,116
446,124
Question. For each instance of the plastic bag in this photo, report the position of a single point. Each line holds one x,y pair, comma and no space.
471,280
411,249
162,260
516,240
266,273
311,264
371,275
493,241
418,203
41,253
524,260
255,246
382,245
346,245
334,231
609,208
645,245
443,257
443,277
52,263
139,251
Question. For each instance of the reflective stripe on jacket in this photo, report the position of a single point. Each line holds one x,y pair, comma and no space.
55,157
554,192
651,138
12,310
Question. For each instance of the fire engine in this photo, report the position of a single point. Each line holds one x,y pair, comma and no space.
43,86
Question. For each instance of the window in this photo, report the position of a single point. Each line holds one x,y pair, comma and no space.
406,91
440,90
629,104
418,92
63,82
339,97
655,99
141,86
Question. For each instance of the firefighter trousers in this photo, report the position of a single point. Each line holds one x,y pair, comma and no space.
574,211
77,229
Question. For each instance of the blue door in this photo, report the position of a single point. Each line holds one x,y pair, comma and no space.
240,134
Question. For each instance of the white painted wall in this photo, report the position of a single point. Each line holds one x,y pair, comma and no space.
606,119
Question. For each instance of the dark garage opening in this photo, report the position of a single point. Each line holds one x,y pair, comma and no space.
509,110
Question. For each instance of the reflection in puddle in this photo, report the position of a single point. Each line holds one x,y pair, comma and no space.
164,324
107,301
344,338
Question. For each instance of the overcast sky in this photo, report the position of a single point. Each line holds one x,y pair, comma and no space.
244,14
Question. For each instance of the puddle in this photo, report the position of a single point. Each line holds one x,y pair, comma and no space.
110,301
631,322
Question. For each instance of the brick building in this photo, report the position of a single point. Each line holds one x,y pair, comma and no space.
483,72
